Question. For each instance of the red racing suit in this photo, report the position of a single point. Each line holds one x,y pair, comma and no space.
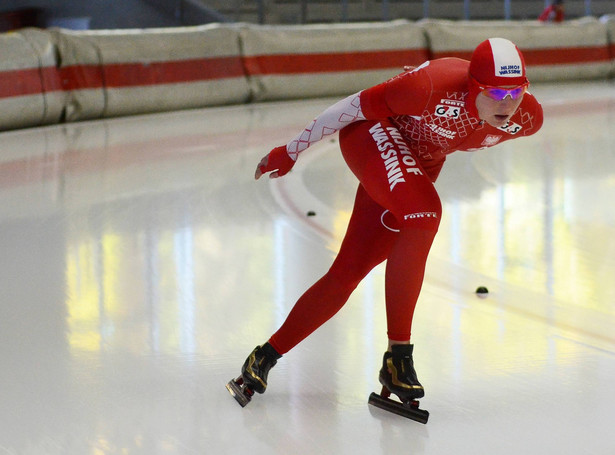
395,138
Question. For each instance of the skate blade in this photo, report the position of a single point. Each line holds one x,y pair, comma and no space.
236,389
410,410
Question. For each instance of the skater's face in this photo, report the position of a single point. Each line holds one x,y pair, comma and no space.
497,110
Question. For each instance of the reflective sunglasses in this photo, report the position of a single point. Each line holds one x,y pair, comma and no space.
499,93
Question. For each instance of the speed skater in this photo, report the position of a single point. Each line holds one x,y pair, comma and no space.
395,138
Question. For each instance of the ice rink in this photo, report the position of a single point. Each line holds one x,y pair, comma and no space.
141,263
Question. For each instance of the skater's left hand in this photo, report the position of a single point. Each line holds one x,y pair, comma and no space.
278,162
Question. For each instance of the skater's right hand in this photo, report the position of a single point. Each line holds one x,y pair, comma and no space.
278,162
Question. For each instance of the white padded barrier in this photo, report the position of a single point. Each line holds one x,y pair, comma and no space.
29,93
285,62
153,70
571,50
609,22
59,75
80,74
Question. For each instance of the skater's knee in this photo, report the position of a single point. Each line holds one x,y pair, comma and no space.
346,276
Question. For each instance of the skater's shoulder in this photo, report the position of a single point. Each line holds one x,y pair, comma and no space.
448,73
434,75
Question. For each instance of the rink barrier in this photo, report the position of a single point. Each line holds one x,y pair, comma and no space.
79,75
56,75
285,62
152,70
28,90
609,22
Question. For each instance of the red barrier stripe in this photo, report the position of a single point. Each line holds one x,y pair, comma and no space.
80,77
49,79
553,56
20,82
570,55
260,65
137,74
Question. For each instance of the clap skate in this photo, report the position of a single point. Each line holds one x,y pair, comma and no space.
253,374
398,376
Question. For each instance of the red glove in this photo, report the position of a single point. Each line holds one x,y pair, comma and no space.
277,162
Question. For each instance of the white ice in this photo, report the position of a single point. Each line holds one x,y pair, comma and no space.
141,263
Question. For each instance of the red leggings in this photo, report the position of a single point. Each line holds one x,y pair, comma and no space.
395,217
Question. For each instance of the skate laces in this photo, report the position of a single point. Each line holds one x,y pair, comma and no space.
401,367
406,360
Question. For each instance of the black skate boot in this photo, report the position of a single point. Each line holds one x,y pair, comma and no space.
253,374
399,377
